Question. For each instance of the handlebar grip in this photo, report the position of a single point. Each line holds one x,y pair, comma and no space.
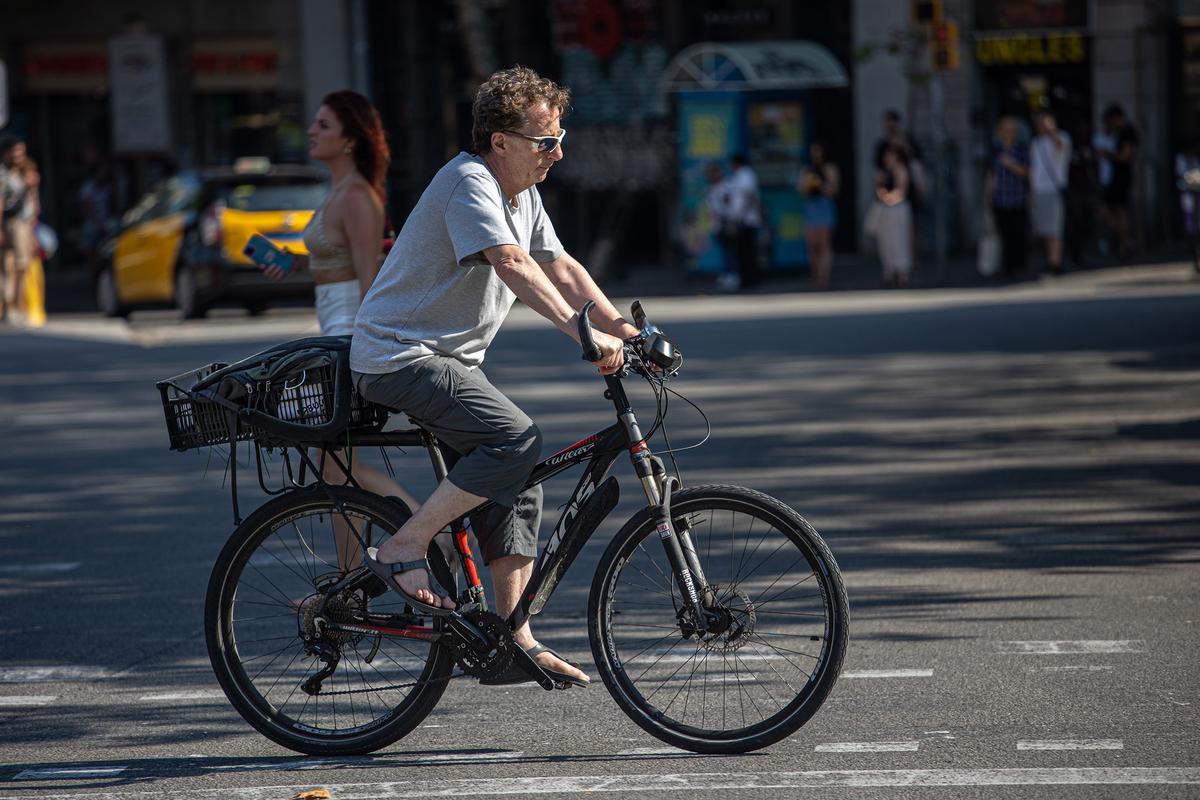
590,351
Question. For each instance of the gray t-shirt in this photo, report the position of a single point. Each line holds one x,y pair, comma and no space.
436,293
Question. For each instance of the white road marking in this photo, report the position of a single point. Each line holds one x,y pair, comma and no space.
887,673
1081,668
1070,744
51,566
20,700
67,773
868,747
331,763
51,673
1080,646
668,657
639,785
655,751
198,694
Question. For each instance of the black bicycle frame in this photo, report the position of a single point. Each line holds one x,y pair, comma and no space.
595,495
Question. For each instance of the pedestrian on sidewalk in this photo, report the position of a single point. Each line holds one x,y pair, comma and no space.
1050,155
1082,183
719,203
894,223
1118,150
1006,193
19,207
745,212
819,183
96,196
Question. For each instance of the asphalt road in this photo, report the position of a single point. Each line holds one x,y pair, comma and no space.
1008,478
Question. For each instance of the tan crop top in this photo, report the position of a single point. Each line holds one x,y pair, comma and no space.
321,254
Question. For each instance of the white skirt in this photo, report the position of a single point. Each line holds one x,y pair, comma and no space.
337,305
895,237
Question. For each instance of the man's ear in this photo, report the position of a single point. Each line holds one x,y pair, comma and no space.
499,142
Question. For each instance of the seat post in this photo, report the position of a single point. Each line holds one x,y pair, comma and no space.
435,455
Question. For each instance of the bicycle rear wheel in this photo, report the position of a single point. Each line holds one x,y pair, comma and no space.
264,597
784,616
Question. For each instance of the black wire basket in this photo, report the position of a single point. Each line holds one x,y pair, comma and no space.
306,398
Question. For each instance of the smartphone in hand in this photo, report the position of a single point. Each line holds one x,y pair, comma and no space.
265,254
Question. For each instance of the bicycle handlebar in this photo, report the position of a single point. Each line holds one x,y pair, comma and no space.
649,345
590,351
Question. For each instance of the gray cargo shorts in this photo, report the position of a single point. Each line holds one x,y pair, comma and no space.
497,444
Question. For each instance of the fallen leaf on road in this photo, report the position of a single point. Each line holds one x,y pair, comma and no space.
312,794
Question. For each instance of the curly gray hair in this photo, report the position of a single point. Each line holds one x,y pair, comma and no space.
503,100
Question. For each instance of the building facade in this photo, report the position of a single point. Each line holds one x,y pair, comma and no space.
150,87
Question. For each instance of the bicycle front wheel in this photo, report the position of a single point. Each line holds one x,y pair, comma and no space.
759,673
265,623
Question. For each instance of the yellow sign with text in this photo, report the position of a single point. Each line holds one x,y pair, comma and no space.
1022,49
707,136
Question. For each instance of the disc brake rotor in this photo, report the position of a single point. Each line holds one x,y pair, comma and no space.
742,620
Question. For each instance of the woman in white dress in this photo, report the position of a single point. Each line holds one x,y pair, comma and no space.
895,217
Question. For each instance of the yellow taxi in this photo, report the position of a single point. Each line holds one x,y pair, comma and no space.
182,242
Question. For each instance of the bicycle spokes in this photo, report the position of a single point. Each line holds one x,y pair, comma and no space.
312,653
765,631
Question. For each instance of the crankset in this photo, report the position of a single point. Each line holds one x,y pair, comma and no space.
473,658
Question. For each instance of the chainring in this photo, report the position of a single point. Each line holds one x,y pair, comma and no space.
492,663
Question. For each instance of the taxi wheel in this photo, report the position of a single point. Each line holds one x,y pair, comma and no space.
107,299
187,294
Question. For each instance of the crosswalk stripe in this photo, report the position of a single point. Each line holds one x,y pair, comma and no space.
19,700
52,566
1078,646
67,773
199,694
1070,744
887,673
868,747
46,674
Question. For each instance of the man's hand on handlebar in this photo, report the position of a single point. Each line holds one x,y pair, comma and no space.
612,352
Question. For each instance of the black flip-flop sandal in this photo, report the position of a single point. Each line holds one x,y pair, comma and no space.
515,674
385,572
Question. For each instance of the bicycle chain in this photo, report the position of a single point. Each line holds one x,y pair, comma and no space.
394,686
472,663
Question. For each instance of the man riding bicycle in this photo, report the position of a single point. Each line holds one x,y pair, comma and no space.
478,239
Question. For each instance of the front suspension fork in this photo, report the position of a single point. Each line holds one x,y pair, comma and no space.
677,542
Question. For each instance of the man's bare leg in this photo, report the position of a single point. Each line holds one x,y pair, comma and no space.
510,575
372,480
411,542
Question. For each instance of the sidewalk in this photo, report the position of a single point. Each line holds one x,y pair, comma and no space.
69,290
853,272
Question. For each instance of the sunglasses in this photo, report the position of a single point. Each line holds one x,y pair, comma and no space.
542,144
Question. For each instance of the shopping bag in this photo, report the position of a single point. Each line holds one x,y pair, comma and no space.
34,292
988,254
871,221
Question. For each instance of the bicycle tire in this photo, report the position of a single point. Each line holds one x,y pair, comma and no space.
617,621
270,569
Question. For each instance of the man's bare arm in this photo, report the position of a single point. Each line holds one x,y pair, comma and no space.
577,287
525,277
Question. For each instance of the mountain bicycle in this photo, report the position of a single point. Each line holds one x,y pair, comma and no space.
717,616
